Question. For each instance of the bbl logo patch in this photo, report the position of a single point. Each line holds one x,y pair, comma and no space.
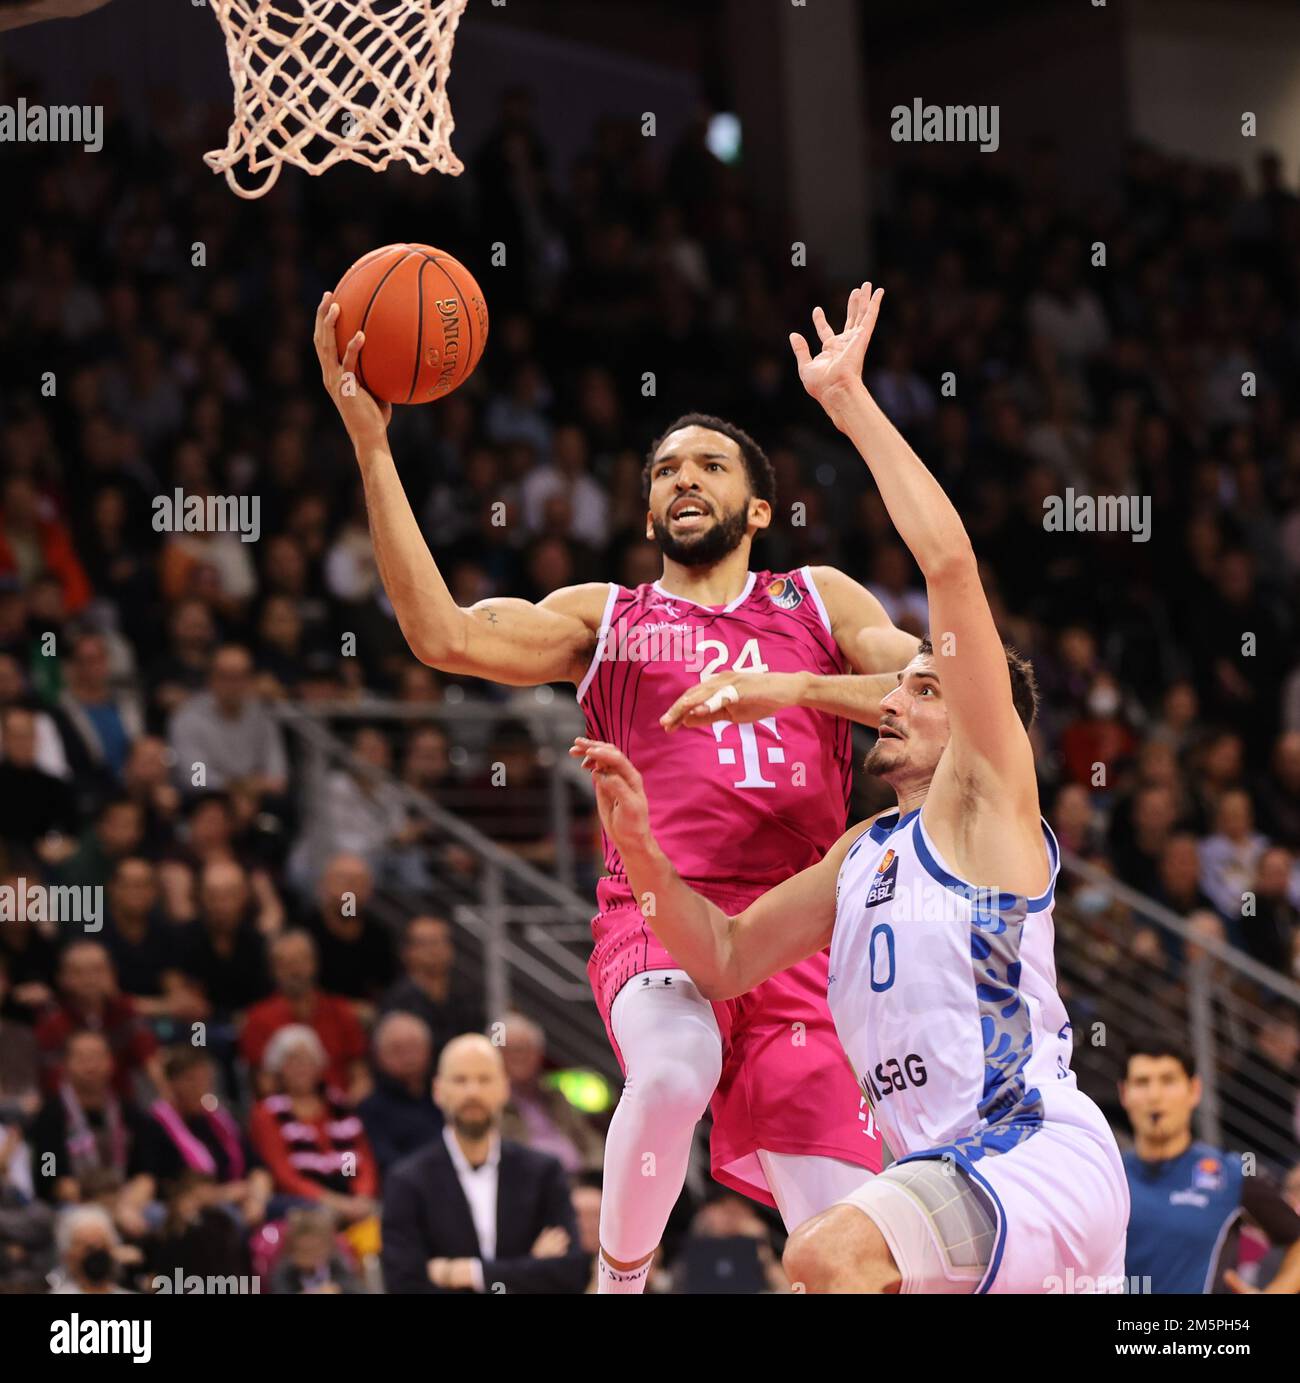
882,886
785,593
1208,1175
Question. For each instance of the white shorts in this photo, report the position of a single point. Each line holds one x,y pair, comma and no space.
1059,1206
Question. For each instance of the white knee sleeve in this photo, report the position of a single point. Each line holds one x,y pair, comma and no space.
940,1227
672,1052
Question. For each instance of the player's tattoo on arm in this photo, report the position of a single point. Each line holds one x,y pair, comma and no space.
491,616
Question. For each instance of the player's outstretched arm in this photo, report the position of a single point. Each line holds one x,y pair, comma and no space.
988,745
504,640
15,16
873,647
725,956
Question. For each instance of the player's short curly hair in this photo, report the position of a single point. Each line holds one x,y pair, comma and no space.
762,477
1024,684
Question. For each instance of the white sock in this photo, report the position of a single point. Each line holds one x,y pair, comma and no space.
613,1280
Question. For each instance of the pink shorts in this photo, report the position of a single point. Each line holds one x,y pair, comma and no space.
786,1086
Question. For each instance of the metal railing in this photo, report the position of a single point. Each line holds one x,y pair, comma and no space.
1179,983
522,935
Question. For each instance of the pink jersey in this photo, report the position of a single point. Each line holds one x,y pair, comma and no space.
733,806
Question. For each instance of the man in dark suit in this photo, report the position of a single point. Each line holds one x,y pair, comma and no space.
474,1212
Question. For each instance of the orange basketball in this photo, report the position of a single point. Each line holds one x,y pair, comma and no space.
424,318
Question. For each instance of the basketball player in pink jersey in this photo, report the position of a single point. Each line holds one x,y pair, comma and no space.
729,690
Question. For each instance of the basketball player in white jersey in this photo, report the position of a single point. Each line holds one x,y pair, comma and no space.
942,982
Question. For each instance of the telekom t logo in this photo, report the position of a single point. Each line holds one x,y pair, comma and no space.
750,756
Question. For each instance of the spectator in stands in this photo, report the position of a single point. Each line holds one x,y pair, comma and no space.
309,1140
185,668
26,1223
298,1002
33,803
425,764
426,989
90,1251
587,1197
198,1237
1188,1196
30,956
473,1210
356,951
1074,822
210,836
148,783
566,477
538,1115
1263,1114
144,949
225,737
190,1131
88,998
510,801
366,815
35,541
1270,921
85,1131
1280,796
1099,737
311,1263
399,1115
118,832
48,753
728,1217
1137,854
19,1061
223,951
1178,876
1218,766
97,723
1230,857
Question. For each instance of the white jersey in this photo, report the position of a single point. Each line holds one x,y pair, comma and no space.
944,998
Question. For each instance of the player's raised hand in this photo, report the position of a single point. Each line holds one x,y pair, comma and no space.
363,415
736,697
620,794
836,370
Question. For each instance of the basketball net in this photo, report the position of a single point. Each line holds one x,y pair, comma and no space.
317,81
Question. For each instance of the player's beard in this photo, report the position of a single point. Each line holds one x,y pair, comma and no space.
880,763
710,546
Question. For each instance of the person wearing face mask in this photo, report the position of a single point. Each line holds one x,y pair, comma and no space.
1098,737
88,1245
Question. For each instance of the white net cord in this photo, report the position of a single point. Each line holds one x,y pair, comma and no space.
318,81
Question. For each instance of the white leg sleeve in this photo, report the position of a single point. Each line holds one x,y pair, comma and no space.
672,1050
940,1227
803,1186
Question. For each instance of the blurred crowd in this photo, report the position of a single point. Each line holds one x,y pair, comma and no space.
155,336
